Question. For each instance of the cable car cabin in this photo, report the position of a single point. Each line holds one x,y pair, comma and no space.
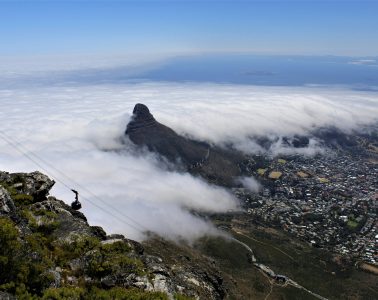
76,205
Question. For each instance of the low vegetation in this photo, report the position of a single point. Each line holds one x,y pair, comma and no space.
75,293
29,257
26,265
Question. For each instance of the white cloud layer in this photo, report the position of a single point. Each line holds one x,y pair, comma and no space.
75,127
250,183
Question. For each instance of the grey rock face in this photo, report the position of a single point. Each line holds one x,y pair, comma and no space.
6,203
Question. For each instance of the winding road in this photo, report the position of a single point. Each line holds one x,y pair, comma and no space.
270,274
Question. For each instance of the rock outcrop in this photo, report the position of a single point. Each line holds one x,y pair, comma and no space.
34,184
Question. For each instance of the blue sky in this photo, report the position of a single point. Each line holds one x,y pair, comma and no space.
306,27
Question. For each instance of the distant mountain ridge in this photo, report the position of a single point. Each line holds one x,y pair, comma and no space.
197,157
143,129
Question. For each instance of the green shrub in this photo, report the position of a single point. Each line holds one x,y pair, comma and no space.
44,212
22,199
23,265
10,248
11,190
118,293
46,227
183,297
17,178
26,259
64,293
101,264
116,247
66,251
41,221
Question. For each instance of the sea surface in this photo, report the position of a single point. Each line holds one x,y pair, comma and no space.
356,73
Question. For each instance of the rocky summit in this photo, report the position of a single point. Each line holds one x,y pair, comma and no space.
142,118
217,165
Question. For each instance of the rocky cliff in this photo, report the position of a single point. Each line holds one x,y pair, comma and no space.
49,251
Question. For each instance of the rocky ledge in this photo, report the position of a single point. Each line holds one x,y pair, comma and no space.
49,251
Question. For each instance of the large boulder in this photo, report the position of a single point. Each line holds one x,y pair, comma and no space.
37,185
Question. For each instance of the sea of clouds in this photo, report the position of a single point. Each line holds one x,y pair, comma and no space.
78,130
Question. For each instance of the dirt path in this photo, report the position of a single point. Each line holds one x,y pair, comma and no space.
262,243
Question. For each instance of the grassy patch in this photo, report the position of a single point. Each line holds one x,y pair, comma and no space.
75,293
23,199
323,180
302,174
275,175
124,294
182,297
352,224
261,172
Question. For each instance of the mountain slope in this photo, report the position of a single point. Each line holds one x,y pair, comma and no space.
49,251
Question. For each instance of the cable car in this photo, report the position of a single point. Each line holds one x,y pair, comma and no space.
76,205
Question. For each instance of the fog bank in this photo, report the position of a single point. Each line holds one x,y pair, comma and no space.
78,130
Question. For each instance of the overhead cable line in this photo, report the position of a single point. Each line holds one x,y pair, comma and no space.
19,147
